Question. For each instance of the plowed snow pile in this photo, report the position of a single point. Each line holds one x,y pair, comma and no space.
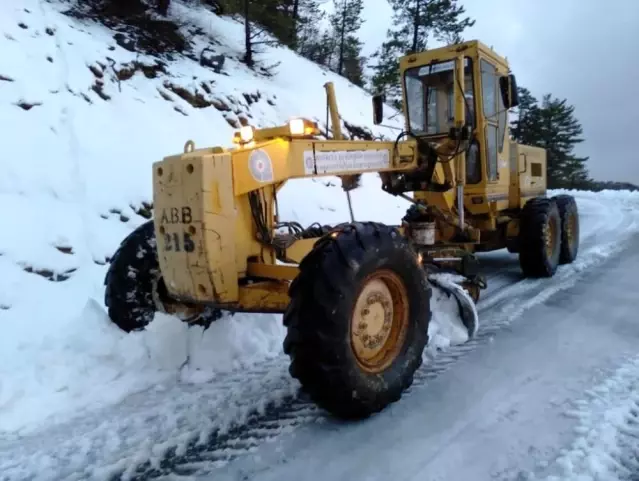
81,126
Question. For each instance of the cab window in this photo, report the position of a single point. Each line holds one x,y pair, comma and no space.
489,97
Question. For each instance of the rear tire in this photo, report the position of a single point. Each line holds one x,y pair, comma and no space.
539,237
349,361
134,285
569,215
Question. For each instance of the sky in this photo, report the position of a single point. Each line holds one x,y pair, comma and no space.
582,50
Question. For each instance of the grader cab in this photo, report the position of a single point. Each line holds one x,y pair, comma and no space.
355,297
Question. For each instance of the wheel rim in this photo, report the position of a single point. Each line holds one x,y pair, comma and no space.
379,321
551,238
571,229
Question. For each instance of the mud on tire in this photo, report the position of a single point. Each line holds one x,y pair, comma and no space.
320,337
569,215
133,280
539,237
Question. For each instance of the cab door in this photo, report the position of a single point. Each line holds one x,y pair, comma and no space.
494,135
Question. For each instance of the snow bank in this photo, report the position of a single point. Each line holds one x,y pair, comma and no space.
79,144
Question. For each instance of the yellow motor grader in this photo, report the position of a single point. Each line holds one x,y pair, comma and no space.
355,297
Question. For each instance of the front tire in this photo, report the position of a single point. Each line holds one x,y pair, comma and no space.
539,237
357,323
134,287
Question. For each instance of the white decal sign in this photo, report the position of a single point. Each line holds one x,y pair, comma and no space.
345,160
260,166
440,67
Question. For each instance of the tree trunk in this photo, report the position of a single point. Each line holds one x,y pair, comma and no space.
416,20
294,16
248,56
342,40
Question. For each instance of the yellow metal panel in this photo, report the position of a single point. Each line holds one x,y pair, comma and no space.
269,296
299,249
271,271
276,161
460,121
172,215
220,240
469,48
532,180
260,164
195,221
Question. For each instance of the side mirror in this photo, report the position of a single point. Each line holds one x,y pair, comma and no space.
378,108
509,92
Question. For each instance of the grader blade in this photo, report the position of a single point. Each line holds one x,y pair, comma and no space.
451,284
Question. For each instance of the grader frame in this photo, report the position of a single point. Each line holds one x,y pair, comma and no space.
218,188
355,297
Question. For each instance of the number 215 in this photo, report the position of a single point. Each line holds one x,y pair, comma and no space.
172,242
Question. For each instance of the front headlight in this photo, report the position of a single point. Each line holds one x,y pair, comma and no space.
296,126
302,127
246,134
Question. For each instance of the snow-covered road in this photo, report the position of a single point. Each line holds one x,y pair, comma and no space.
490,407
505,410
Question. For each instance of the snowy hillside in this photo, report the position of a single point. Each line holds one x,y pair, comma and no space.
82,121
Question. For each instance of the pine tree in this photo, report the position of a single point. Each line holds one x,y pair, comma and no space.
386,77
354,63
321,49
264,18
346,20
415,22
306,15
526,128
248,35
337,47
554,127
561,133
309,37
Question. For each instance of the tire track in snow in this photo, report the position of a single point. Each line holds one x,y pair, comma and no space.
137,438
188,429
538,290
500,313
502,268
601,222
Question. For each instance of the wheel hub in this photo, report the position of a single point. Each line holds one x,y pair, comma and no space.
379,321
551,238
375,319
571,228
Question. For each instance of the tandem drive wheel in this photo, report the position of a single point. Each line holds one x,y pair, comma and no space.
569,215
357,323
540,237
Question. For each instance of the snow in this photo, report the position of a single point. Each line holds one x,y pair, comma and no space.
76,168
492,408
447,328
607,431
